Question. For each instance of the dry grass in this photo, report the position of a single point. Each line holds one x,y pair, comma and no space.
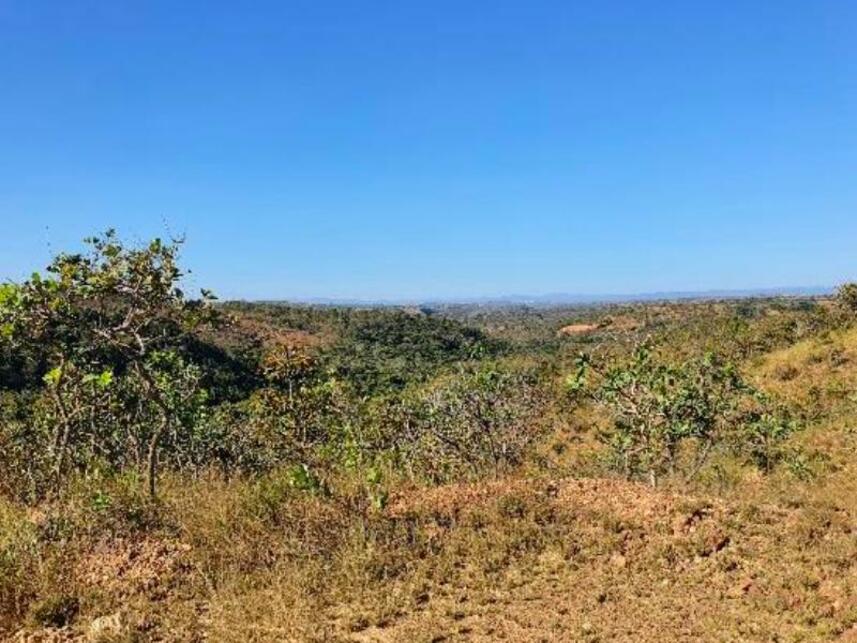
819,375
515,559
521,559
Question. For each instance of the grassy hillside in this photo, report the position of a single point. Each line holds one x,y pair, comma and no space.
664,472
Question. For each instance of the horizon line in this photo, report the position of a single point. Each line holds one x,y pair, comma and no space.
555,298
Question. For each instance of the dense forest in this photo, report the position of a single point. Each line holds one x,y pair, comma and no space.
173,467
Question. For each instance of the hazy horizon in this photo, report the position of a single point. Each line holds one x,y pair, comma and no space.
556,298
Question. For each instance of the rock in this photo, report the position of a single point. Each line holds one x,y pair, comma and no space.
105,627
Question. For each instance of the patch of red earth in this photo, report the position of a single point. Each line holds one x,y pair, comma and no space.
625,499
126,568
577,329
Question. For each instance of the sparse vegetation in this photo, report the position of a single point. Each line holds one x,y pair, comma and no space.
180,469
671,418
847,297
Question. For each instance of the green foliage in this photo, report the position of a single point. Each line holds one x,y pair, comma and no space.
763,436
378,496
299,412
302,478
107,367
385,351
477,421
661,411
847,297
108,327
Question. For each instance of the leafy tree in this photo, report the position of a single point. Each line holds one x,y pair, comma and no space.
109,327
847,297
658,409
300,410
383,351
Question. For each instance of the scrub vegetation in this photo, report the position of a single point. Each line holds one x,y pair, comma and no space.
177,468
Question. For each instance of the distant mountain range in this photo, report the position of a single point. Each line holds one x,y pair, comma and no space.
565,299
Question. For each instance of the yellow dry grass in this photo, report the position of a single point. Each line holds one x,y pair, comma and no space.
516,559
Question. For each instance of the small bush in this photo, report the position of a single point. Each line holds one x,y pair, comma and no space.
670,418
474,423
56,611
846,296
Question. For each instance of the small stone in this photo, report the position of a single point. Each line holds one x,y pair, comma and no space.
105,627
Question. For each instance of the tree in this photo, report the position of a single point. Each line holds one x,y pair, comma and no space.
110,325
659,409
299,411
476,420
847,297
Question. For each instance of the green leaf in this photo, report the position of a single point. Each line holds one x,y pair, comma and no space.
105,379
52,377
374,476
9,294
300,477
379,500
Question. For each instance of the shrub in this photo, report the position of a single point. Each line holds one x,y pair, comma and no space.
56,611
846,296
300,413
108,326
475,422
662,411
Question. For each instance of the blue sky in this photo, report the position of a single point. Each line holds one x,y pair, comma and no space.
438,149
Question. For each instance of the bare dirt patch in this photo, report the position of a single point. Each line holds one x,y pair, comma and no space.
578,329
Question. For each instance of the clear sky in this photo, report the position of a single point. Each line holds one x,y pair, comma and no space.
396,149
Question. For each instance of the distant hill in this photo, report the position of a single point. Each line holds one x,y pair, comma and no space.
564,299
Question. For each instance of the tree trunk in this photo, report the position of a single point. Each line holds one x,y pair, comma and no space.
64,431
61,447
152,458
